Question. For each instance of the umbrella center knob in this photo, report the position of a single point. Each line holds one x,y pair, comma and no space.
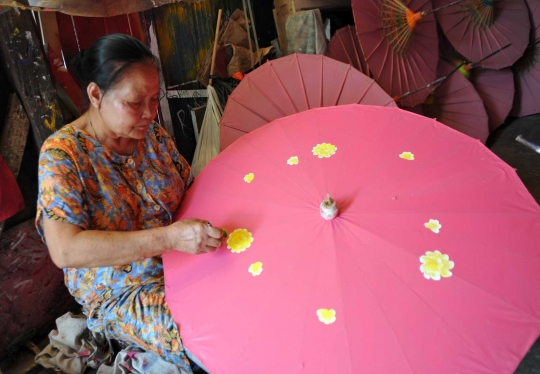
329,208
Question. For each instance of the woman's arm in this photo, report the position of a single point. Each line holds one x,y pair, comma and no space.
72,247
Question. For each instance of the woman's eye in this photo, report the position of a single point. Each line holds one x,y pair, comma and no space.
136,105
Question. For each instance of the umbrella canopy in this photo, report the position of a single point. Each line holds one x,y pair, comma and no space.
344,47
400,45
527,69
456,104
294,84
431,265
477,28
495,87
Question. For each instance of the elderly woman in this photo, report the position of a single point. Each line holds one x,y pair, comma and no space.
108,186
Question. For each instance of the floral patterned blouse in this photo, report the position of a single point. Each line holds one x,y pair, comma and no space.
86,184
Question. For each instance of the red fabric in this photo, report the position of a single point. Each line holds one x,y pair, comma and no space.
11,199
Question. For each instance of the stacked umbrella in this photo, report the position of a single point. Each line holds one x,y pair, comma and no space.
491,43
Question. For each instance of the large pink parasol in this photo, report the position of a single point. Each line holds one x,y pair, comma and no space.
430,266
399,43
527,69
291,85
456,103
345,47
477,28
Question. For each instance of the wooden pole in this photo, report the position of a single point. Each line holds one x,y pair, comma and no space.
216,41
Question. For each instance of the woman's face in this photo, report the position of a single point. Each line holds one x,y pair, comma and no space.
129,107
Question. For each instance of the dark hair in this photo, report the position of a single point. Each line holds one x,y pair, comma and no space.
107,59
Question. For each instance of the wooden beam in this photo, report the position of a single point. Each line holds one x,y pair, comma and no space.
14,134
28,70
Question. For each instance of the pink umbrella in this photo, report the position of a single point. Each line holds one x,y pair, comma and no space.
477,28
527,69
344,47
430,265
294,84
399,43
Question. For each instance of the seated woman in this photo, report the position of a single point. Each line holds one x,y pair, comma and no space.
108,186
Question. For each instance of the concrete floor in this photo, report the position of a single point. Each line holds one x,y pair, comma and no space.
502,143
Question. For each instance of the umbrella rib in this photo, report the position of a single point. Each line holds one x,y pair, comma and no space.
266,97
251,110
282,85
302,80
234,128
321,86
356,53
342,85
371,84
343,47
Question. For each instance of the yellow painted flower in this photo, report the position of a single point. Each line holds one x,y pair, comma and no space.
293,160
326,316
239,240
436,265
248,178
256,268
407,156
324,150
433,225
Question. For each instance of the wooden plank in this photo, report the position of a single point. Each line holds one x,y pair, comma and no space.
29,73
14,134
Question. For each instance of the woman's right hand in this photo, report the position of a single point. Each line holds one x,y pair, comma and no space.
194,236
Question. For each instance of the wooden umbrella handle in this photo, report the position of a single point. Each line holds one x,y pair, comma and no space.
212,65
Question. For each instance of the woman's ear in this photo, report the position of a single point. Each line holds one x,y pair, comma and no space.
94,94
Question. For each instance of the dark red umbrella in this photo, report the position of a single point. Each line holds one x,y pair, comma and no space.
291,85
456,103
477,28
495,87
345,47
400,44
11,199
527,69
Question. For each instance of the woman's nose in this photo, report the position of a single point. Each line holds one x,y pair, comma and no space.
149,111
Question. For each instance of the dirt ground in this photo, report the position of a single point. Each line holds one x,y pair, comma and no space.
527,162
